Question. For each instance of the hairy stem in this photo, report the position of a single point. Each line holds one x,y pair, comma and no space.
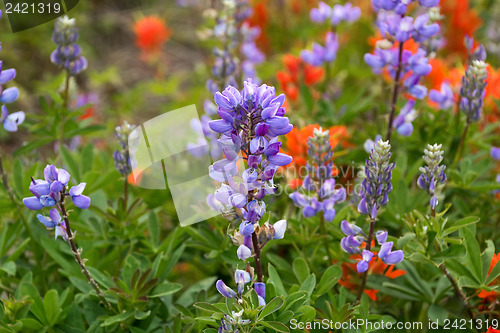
63,113
368,247
457,289
78,258
395,92
258,263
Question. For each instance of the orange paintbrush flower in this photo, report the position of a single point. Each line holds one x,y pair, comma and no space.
297,72
461,20
296,146
151,34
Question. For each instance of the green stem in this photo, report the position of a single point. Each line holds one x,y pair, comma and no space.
395,92
77,255
368,247
460,146
60,141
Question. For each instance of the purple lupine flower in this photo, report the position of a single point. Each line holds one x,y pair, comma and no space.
279,229
403,122
495,153
51,191
9,95
433,173
260,289
396,26
424,31
377,184
54,221
224,290
445,97
241,277
337,14
127,139
473,90
355,237
388,256
369,143
362,265
251,121
320,194
67,54
321,54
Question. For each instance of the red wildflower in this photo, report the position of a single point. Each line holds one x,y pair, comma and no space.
151,34
460,21
297,72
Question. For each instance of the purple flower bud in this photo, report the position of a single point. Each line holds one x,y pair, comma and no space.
350,229
225,290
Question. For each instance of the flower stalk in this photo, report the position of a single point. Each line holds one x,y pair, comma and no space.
395,92
77,254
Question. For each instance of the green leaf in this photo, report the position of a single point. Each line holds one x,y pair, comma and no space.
87,158
495,272
274,305
85,130
9,267
36,307
51,306
207,307
309,284
437,313
139,315
276,326
473,258
32,146
459,224
275,279
308,313
71,164
117,318
300,269
329,279
486,257
31,324
165,289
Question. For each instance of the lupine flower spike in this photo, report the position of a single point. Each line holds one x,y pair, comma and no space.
319,192
397,27
432,175
374,195
67,54
52,192
9,95
251,122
